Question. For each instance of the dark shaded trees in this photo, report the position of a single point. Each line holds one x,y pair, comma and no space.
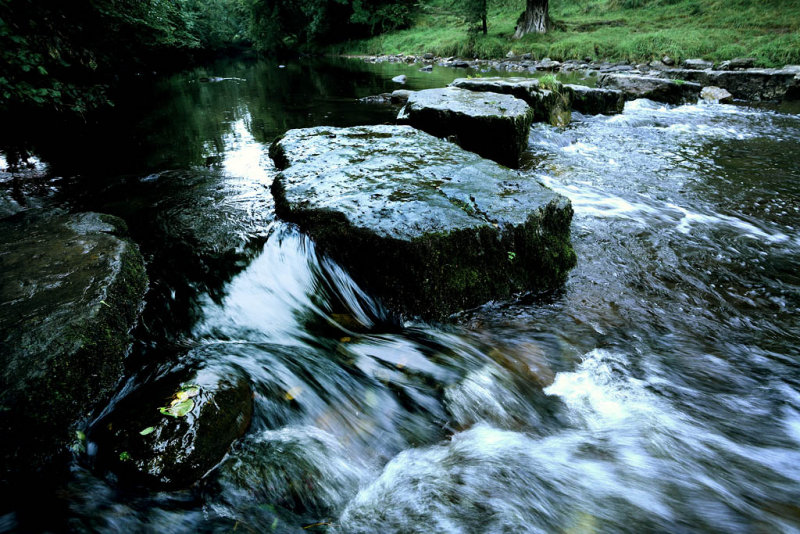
277,25
535,19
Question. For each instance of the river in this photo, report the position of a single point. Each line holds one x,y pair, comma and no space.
658,390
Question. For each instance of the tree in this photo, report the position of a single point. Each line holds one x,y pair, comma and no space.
474,12
535,19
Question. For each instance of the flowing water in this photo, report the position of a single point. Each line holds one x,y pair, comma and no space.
659,390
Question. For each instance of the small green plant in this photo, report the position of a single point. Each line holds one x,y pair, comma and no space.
512,256
550,82
124,456
680,82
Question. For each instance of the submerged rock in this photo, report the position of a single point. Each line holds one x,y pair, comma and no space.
425,225
658,89
171,432
492,125
716,94
383,98
71,289
549,105
400,79
595,101
302,469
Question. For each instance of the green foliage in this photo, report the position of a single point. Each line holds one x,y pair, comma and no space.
64,55
277,25
630,30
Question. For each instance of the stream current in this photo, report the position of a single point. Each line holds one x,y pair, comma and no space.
658,390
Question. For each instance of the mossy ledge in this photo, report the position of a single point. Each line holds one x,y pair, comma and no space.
420,251
64,341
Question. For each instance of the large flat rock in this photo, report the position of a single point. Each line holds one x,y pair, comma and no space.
658,89
428,227
70,291
549,105
750,84
493,125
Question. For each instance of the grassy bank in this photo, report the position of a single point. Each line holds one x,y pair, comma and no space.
629,30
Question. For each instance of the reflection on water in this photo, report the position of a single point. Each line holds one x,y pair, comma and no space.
658,391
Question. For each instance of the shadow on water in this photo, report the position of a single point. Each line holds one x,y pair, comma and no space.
658,391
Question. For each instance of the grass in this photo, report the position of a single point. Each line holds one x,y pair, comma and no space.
617,30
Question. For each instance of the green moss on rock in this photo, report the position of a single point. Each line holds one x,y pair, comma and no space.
71,292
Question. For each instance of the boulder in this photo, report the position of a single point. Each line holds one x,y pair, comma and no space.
400,96
171,432
495,126
594,100
548,64
71,289
400,79
716,94
751,84
549,105
426,226
668,61
426,68
738,63
697,64
658,89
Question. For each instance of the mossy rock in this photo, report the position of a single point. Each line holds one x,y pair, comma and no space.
171,432
493,125
71,290
549,102
429,228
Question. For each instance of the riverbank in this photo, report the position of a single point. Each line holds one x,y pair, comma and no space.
635,31
738,76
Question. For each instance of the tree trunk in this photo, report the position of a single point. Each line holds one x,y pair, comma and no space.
483,18
534,20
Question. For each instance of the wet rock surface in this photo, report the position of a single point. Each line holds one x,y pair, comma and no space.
172,431
716,94
750,84
496,126
658,89
551,106
71,289
595,101
418,221
304,470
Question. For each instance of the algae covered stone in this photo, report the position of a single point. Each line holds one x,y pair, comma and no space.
493,125
428,227
169,433
71,289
